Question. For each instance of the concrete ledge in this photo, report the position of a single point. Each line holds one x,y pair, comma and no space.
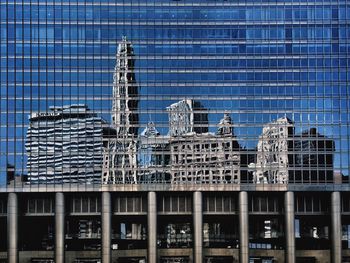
278,255
26,256
323,256
25,188
221,252
129,253
175,252
3,255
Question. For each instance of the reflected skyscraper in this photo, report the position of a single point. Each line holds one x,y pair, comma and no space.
125,92
120,157
272,153
153,156
311,158
65,145
187,116
206,158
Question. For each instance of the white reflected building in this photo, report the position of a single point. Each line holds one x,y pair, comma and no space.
153,156
272,153
120,155
65,145
206,158
187,116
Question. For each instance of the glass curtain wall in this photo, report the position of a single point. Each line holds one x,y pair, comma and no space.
174,92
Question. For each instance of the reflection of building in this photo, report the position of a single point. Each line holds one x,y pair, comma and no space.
65,146
153,156
125,92
187,116
311,158
225,125
272,153
283,156
120,160
206,158
10,173
313,149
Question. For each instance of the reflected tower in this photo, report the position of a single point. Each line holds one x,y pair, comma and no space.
125,92
205,158
65,145
272,153
120,160
187,116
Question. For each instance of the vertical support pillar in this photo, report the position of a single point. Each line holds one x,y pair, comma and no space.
12,228
289,226
336,227
152,227
106,227
198,227
243,228
59,228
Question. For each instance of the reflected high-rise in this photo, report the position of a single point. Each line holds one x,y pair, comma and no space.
174,131
125,92
120,160
272,153
65,145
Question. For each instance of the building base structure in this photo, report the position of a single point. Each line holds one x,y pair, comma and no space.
59,227
12,228
106,227
176,226
289,226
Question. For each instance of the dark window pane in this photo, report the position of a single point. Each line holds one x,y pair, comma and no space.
167,204
189,204
77,205
47,206
130,201
227,202
137,204
116,204
271,204
123,204
182,204
85,205
263,201
212,204
93,208
175,204
144,204
256,204
218,204
31,206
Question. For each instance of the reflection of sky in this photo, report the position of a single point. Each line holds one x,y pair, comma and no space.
257,83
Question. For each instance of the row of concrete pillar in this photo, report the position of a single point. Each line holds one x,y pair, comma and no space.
12,226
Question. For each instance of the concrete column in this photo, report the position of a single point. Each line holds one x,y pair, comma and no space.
59,228
198,227
289,227
336,227
12,228
106,227
152,227
243,228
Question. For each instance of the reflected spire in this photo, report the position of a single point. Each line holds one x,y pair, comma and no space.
150,130
225,125
125,91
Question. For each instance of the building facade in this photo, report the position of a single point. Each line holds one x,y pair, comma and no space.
228,138
65,146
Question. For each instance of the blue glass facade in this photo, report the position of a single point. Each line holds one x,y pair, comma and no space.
174,131
257,61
